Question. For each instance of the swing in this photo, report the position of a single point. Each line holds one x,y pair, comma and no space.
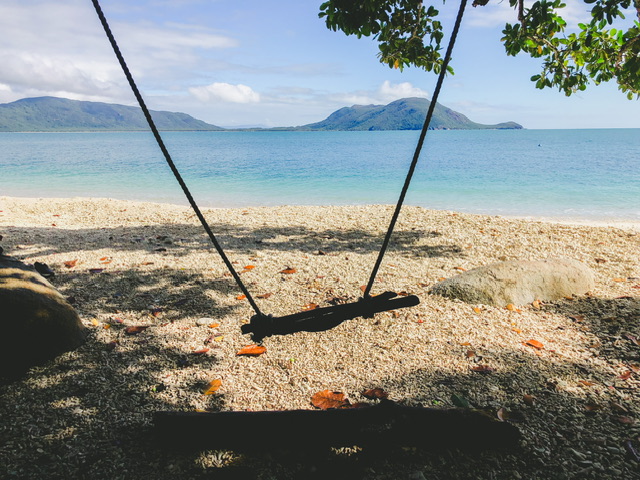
398,425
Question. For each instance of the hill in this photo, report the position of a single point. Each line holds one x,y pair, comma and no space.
403,114
51,114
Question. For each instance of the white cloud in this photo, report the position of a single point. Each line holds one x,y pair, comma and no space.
225,92
59,48
391,92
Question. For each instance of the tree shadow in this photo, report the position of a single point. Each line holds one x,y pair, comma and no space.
183,239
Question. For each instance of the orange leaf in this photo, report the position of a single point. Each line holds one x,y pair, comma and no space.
375,393
586,383
462,269
201,351
70,263
212,387
309,306
252,350
156,311
363,288
517,330
249,267
511,307
135,330
529,399
241,297
477,309
619,280
104,258
264,295
327,399
465,344
536,304
470,354
626,375
288,271
214,325
95,322
534,344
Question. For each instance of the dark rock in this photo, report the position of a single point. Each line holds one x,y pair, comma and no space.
37,322
518,282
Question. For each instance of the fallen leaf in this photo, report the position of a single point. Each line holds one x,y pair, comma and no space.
477,309
483,369
592,407
442,279
626,375
586,383
534,344
502,414
470,354
112,345
156,311
620,280
252,350
363,288
327,399
70,263
460,401
107,326
510,307
517,330
577,318
105,260
249,267
264,295
625,419
375,394
288,271
241,297
146,263
465,344
136,329
462,269
537,304
528,399
616,407
213,325
95,322
201,351
600,260
212,387
219,338
309,306
633,339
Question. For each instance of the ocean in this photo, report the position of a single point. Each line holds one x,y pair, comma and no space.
590,175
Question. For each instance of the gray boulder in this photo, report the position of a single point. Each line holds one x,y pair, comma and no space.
518,282
36,321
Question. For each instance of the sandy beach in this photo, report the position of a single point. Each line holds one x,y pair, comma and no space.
88,414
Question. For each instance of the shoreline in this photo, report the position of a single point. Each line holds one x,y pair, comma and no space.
621,223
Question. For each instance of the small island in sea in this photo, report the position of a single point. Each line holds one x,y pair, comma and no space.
53,114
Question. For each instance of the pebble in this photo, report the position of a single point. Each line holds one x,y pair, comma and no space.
204,321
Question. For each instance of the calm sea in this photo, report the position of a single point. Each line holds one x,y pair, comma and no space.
568,174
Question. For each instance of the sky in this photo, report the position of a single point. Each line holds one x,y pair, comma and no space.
237,63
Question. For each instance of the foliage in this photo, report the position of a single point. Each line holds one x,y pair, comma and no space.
604,49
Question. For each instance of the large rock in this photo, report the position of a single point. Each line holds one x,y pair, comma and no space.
36,321
518,282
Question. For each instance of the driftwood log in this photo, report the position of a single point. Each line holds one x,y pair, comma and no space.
384,424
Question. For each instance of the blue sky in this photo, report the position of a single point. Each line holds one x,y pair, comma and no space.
239,63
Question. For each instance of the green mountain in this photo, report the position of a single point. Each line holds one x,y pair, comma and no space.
403,114
51,114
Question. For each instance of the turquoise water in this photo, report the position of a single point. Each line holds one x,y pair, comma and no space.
579,174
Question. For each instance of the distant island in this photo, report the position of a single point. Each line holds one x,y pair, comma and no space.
52,114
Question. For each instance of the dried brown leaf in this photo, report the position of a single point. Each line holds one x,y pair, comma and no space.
135,330
70,263
375,394
288,271
327,399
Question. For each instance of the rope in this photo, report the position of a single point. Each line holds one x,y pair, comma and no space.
416,155
167,157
